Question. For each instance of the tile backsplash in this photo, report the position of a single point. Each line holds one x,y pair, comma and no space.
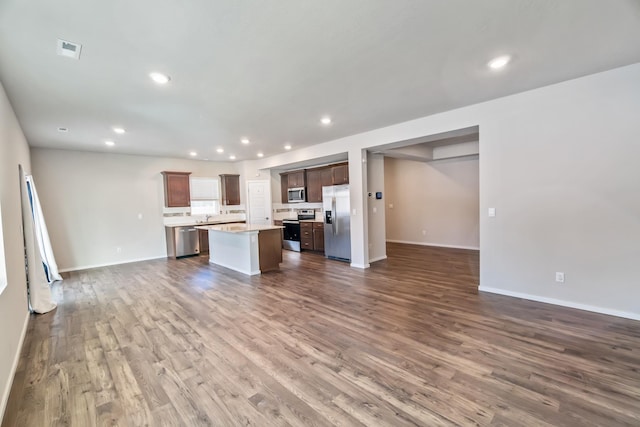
281,211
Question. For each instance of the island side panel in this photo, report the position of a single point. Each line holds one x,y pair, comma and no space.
270,249
237,251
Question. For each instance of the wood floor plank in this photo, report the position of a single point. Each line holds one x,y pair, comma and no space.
409,341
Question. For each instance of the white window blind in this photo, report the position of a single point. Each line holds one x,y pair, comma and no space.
204,196
204,188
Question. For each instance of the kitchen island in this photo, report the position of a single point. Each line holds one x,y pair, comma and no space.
247,248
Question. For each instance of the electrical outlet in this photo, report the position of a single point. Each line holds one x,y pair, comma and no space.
559,277
118,249
424,232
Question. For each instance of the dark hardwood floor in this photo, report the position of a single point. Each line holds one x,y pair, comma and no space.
407,342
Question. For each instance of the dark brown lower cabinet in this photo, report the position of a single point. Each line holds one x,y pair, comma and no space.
306,236
270,249
203,237
312,236
318,236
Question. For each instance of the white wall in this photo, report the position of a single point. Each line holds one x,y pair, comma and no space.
376,216
442,198
13,300
560,165
91,203
276,188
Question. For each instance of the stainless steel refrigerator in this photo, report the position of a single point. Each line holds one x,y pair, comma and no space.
337,222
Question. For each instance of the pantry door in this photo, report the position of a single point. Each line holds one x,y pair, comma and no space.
259,202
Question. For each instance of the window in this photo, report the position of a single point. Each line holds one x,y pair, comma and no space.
205,198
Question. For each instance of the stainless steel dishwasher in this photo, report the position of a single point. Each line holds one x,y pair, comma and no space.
182,241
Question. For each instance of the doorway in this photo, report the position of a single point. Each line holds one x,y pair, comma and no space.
430,194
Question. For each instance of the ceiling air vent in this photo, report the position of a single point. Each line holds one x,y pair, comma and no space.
69,49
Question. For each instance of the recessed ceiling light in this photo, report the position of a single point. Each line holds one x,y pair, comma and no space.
499,62
220,150
63,130
193,154
160,78
260,155
325,120
110,143
119,131
245,140
232,157
287,147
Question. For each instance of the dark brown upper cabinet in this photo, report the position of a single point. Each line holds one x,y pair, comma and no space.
340,174
325,176
284,186
314,185
230,185
176,189
296,179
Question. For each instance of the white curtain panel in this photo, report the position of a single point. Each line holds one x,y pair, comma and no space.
40,298
42,234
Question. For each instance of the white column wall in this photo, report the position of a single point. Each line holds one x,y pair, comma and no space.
376,212
359,208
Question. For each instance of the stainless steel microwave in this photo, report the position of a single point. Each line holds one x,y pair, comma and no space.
296,195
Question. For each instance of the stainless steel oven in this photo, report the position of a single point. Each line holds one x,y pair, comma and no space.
291,235
291,232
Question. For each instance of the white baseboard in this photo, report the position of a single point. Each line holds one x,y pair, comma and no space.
14,368
579,306
378,258
406,242
362,266
86,267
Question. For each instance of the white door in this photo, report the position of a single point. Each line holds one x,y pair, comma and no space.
259,202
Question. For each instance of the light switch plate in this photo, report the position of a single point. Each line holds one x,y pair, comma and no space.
492,212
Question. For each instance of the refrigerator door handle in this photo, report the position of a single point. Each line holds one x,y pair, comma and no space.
335,220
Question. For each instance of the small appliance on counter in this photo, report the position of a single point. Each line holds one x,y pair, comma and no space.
337,222
291,232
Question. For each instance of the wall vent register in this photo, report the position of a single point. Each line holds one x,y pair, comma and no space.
68,49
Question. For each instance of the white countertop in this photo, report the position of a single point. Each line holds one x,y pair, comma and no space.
239,227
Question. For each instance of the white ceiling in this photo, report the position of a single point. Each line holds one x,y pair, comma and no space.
268,70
